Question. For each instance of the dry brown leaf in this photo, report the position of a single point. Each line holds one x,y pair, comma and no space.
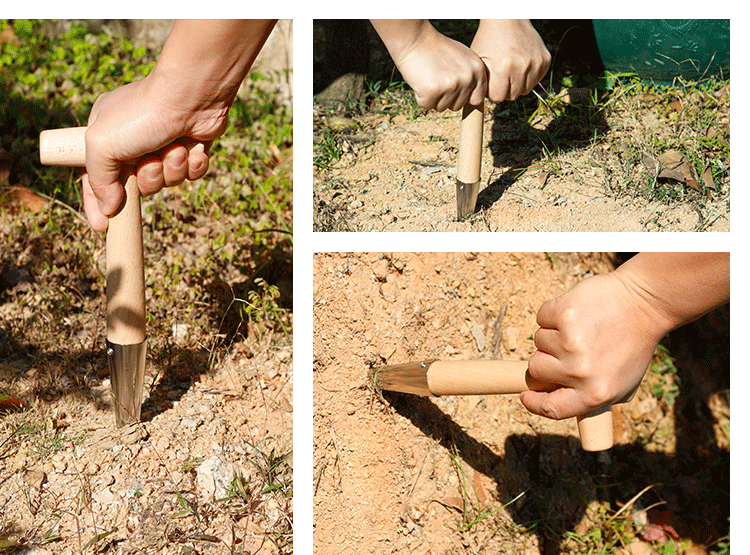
675,165
479,488
7,35
35,477
650,161
8,403
708,179
28,198
543,177
454,502
674,106
275,155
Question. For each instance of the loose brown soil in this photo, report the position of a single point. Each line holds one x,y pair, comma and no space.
218,390
395,473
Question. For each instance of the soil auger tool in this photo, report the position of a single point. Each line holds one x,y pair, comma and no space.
469,169
486,377
126,292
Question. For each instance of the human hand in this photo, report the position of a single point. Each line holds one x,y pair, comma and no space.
165,123
596,342
138,124
514,54
444,73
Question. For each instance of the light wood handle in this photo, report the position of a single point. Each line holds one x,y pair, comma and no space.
477,377
596,429
126,291
504,377
470,144
63,147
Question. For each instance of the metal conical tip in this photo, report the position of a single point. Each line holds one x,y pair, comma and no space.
410,377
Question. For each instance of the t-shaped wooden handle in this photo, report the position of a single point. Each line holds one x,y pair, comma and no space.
126,297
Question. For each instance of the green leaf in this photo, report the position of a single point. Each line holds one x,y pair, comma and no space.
23,27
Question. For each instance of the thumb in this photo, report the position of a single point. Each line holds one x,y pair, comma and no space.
480,91
557,405
109,196
103,178
97,220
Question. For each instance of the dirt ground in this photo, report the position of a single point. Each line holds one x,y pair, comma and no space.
397,173
143,489
395,473
209,468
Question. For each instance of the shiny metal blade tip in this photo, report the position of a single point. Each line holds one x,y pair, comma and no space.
410,377
466,198
127,365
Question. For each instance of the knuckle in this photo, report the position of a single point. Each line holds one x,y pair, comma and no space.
550,409
598,394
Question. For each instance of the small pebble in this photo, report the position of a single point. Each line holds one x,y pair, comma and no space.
380,269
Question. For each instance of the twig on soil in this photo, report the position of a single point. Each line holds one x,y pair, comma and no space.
429,164
629,503
337,459
14,432
407,496
75,212
497,336
523,197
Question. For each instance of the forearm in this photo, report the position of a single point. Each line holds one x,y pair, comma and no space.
401,35
678,286
210,56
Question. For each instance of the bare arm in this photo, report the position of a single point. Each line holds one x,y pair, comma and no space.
682,286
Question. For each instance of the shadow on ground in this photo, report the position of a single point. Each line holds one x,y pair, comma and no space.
690,488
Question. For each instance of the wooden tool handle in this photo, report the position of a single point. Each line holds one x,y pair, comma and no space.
596,429
470,144
63,147
126,297
477,377
504,377
126,289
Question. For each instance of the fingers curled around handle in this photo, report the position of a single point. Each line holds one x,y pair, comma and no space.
185,159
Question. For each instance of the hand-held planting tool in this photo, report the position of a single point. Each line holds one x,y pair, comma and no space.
486,377
469,170
126,291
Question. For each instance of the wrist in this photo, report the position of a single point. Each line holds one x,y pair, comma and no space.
656,319
402,36
199,111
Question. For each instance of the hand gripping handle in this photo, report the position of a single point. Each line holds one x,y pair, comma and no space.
488,377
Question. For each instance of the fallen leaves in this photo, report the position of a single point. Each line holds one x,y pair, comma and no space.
8,403
676,166
661,527
673,164
26,197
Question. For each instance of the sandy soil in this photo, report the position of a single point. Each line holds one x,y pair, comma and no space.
395,473
209,469
398,174
124,486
